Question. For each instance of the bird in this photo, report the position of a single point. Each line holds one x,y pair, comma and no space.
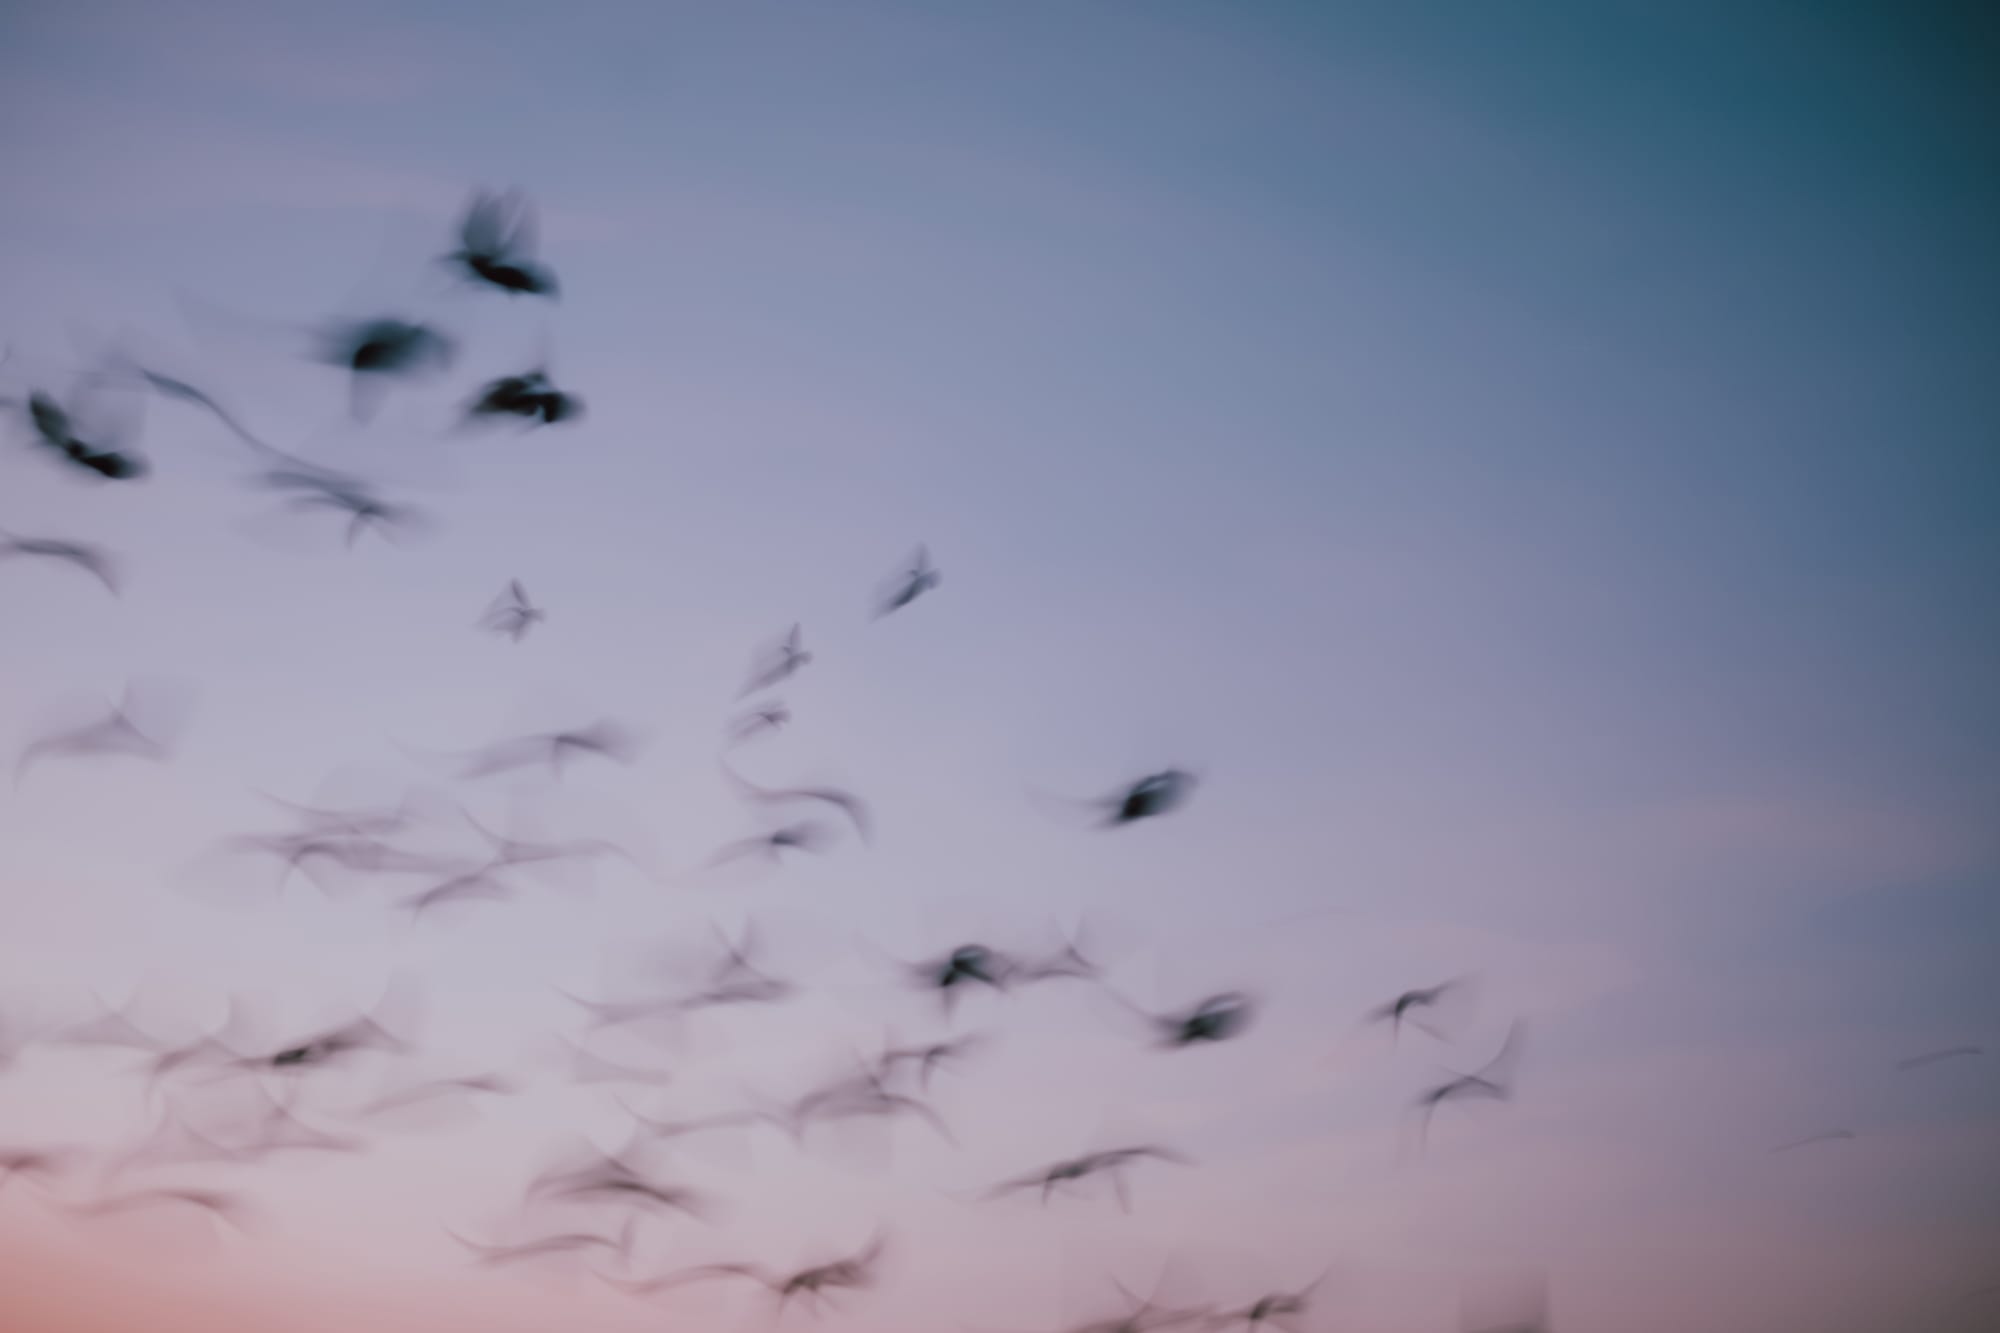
1152,795
35,1162
1216,1018
90,559
846,802
105,456
782,661
965,966
926,1058
855,1272
911,584
478,883
169,387
755,722
497,243
1112,1162
1935,1057
1276,1309
1493,1082
563,1243
614,1178
529,396
220,1204
604,739
373,350
320,488
1397,1009
115,734
804,836
512,613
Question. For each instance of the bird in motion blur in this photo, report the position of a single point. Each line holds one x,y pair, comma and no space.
1112,1163
119,732
912,583
323,489
1492,1082
1394,1012
529,396
91,560
375,350
103,455
813,1285
1279,1309
512,613
497,244
779,663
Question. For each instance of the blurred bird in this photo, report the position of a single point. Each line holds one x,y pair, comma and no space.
804,836
812,1284
374,350
911,584
1278,1310
1493,1082
1397,1009
1216,1018
566,1243
846,802
497,243
1112,1163
512,613
104,455
1831,1136
169,387
604,739
529,396
765,717
122,732
1935,1057
779,664
90,559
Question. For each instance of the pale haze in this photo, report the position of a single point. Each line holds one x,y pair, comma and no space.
1533,463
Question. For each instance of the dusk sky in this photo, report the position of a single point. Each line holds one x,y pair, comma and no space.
1534,463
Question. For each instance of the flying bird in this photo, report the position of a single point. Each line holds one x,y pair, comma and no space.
1492,1082
1112,1163
512,613
529,396
846,802
1831,1136
912,583
758,720
118,733
1279,1310
90,559
104,455
779,663
1399,1008
375,350
804,836
813,1284
1936,1057
497,244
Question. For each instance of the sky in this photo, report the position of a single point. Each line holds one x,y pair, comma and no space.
1533,463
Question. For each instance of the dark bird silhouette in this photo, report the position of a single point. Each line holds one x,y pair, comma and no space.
854,1273
1935,1057
1492,1082
777,664
376,350
1216,1018
846,802
512,613
497,244
911,584
1149,796
864,1095
1112,1163
105,455
529,396
966,966
1399,1008
90,559
1831,1136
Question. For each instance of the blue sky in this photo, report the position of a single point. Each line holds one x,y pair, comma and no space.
1534,461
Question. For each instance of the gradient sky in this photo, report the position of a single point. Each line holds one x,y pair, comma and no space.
1536,461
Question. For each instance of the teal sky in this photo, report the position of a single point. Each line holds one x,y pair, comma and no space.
1536,461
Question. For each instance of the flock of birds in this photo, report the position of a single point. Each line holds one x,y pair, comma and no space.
262,1096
